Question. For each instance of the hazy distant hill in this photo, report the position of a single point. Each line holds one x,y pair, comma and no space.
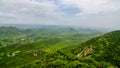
4,31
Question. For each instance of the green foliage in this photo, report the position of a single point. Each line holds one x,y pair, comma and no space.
106,47
58,48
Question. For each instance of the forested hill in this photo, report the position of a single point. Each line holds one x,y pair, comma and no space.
9,31
103,48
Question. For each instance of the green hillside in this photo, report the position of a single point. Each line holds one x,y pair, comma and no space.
60,48
103,48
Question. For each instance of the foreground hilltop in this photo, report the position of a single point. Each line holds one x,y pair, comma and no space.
103,48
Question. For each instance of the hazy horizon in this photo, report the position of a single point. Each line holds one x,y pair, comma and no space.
32,26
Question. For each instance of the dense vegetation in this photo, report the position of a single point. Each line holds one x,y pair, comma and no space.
106,47
58,48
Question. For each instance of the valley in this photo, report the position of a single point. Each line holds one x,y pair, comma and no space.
58,47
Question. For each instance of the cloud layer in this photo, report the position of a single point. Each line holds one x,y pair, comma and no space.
97,13
93,6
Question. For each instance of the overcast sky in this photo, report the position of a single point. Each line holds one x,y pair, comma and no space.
93,13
